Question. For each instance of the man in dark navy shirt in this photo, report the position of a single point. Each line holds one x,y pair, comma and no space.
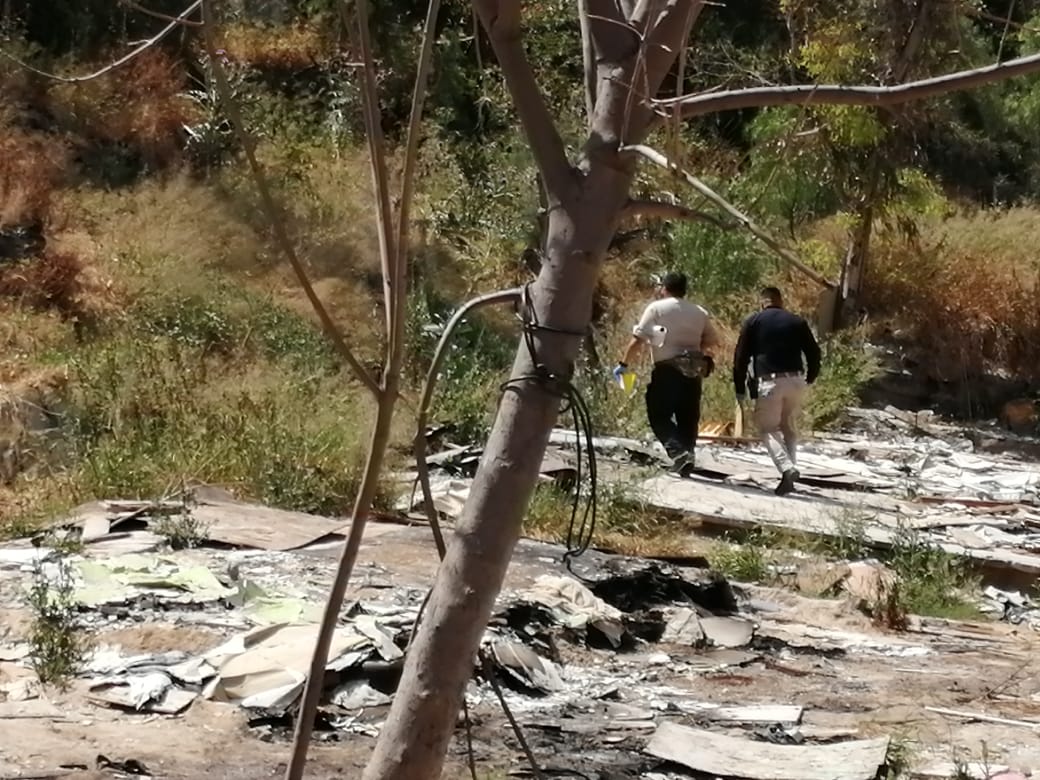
772,342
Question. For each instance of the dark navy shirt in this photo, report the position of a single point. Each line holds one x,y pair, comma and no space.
775,340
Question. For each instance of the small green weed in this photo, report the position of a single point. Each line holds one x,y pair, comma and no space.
931,581
624,523
58,645
850,541
746,560
899,758
182,529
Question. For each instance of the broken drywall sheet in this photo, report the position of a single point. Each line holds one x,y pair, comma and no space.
267,668
574,606
217,516
719,755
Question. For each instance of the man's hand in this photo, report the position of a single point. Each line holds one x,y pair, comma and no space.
709,365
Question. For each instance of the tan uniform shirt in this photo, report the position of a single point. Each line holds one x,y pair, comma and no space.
688,327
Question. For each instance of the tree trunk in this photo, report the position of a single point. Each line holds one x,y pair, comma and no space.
422,719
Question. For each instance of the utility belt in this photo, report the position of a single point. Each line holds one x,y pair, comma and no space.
691,363
779,375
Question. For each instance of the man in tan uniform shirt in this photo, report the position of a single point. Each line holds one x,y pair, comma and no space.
681,361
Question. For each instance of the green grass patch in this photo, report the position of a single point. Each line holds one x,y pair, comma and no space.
747,561
624,523
932,582
206,382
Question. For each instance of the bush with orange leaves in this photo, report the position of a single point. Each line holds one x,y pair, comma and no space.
286,50
143,106
966,309
59,281
31,166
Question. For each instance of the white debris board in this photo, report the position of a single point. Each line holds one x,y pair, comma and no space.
723,756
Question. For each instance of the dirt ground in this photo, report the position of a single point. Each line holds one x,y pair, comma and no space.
851,678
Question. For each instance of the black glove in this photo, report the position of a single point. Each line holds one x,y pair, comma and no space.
709,365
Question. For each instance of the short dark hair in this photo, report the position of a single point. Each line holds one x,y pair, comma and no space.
772,294
675,284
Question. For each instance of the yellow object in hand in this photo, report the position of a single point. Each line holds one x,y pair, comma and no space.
627,381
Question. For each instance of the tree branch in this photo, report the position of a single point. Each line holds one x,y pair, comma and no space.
501,20
377,158
659,159
654,209
395,339
588,58
118,63
271,209
157,15
836,95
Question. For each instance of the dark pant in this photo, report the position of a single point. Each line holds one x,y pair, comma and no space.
673,406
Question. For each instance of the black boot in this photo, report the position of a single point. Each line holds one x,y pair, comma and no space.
787,482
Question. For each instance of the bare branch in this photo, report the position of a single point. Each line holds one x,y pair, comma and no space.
659,159
157,15
914,38
655,209
394,256
983,14
377,156
836,95
422,78
501,20
136,52
588,58
271,209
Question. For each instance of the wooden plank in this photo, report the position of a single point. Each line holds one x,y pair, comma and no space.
732,506
982,718
724,756
756,713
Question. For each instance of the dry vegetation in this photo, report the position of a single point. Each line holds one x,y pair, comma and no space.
964,292
187,352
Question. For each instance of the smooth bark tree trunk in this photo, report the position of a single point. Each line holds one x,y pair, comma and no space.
421,722
585,204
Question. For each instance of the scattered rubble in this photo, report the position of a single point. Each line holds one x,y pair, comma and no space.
619,665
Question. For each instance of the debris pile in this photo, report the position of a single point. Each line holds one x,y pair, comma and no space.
615,666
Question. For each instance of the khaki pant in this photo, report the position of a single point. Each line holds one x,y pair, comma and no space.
776,414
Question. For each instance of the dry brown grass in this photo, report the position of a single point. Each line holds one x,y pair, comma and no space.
285,49
142,106
31,167
58,281
965,294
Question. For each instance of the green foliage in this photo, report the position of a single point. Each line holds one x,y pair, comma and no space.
932,582
717,262
475,365
624,522
217,317
182,529
846,368
150,412
790,176
58,646
743,561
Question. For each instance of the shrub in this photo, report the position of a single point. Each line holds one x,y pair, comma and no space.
148,412
31,167
132,119
58,281
963,294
